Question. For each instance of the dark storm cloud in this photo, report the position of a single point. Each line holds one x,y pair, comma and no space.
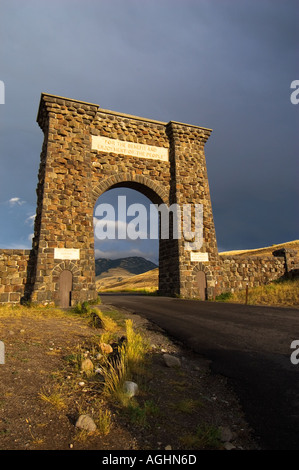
222,64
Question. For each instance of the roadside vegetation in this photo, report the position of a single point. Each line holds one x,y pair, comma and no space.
282,293
88,361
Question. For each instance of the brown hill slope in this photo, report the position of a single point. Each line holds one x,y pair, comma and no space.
146,281
267,251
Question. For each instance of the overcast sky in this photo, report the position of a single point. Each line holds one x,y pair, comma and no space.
223,64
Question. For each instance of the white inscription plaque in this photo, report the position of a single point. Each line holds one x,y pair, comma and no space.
66,253
198,256
131,149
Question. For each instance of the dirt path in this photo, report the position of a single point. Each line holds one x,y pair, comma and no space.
187,399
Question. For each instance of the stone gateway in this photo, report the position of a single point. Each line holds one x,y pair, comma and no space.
87,151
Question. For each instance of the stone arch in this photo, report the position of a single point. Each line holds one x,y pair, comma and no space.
88,150
141,183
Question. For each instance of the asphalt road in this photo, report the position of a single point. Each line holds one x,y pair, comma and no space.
250,345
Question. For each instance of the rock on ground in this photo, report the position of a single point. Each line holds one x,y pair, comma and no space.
130,388
86,423
171,361
87,366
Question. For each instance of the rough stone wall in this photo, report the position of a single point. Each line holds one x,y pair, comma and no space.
237,273
13,274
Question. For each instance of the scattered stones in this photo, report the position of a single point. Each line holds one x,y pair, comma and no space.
87,366
130,388
168,448
171,361
81,384
105,348
86,423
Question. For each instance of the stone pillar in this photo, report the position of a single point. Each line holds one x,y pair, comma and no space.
190,186
64,217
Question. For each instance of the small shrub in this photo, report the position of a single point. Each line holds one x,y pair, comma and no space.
75,359
205,437
136,349
55,399
224,297
103,422
140,414
114,377
108,324
187,405
81,308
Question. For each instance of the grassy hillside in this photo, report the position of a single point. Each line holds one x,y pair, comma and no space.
147,281
132,264
267,251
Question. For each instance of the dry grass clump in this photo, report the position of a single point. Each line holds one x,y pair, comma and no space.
284,294
128,364
54,398
204,437
37,311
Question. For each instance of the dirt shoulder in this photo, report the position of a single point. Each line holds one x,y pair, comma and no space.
184,407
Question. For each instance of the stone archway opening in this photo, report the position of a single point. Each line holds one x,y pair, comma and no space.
126,242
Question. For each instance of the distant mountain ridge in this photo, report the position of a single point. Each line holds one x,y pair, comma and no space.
132,264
